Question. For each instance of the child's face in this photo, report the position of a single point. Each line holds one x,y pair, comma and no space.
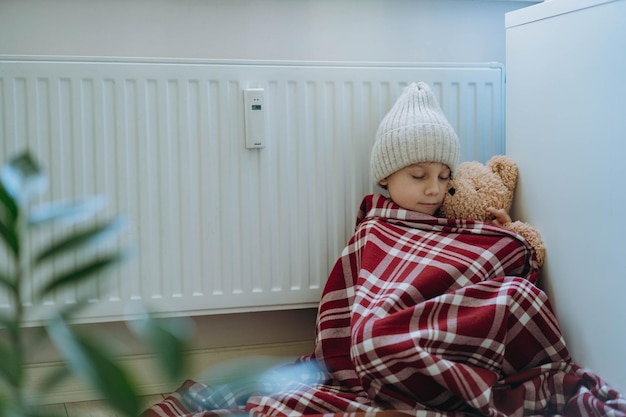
419,187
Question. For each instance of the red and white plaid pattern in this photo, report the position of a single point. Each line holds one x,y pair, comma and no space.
436,317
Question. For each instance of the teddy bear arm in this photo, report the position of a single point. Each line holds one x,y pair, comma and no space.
531,235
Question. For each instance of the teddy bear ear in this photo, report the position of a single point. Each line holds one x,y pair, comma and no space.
505,168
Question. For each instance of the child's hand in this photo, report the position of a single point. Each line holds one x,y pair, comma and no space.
501,216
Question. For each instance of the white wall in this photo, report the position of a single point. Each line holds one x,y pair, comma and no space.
326,30
566,97
310,30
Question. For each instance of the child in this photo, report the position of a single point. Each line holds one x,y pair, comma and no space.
416,151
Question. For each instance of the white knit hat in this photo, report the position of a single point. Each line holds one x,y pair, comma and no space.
415,130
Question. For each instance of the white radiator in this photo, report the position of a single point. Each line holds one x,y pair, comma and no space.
223,228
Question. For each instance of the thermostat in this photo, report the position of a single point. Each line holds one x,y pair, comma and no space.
254,114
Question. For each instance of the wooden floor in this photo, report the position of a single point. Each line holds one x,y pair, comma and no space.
95,408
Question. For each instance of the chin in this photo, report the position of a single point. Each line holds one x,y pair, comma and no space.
427,210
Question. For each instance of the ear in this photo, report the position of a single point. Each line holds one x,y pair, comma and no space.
383,183
505,168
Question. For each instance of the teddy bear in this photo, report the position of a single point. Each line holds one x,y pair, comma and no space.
475,187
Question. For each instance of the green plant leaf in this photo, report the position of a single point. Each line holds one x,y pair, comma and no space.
36,412
10,365
54,378
8,220
23,179
95,365
9,211
82,273
68,211
27,410
70,310
9,324
7,282
82,239
170,349
169,338
10,238
6,322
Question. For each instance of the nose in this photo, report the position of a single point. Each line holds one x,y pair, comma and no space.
432,186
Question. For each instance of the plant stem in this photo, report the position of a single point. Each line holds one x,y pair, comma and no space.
17,337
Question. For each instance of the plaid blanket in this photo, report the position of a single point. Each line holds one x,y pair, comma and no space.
422,316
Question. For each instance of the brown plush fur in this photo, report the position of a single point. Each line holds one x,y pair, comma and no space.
478,187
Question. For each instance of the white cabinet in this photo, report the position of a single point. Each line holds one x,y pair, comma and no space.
566,128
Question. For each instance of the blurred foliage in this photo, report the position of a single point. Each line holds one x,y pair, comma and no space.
85,239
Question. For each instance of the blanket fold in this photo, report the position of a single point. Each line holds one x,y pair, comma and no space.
436,317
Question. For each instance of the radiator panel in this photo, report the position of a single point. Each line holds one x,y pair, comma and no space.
221,228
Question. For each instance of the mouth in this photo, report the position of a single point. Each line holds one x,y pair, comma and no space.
429,206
